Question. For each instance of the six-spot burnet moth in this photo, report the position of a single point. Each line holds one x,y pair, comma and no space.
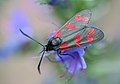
74,33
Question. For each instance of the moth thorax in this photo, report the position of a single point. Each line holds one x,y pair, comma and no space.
56,41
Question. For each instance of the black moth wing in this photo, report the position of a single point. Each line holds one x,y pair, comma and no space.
77,22
97,35
80,23
81,38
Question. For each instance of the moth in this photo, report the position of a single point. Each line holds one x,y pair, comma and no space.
74,33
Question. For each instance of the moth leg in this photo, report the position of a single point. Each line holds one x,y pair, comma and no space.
59,52
40,52
53,61
85,48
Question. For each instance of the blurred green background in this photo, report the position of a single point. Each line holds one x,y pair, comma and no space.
17,62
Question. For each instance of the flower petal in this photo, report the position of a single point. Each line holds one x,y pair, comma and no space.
51,34
84,66
75,55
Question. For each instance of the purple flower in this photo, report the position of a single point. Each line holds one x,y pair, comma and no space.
56,2
73,59
51,34
16,40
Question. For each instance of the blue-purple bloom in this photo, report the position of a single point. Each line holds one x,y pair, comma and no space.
73,59
16,41
56,2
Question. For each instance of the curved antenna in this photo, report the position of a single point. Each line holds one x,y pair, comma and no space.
55,24
40,62
31,38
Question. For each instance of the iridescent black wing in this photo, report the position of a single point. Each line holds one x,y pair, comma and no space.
75,32
81,38
76,23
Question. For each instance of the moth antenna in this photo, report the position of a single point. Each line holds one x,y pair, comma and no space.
39,70
31,38
55,24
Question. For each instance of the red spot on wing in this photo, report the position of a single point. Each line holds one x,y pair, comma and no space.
64,45
78,17
77,39
85,18
92,31
57,34
89,38
70,26
67,24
